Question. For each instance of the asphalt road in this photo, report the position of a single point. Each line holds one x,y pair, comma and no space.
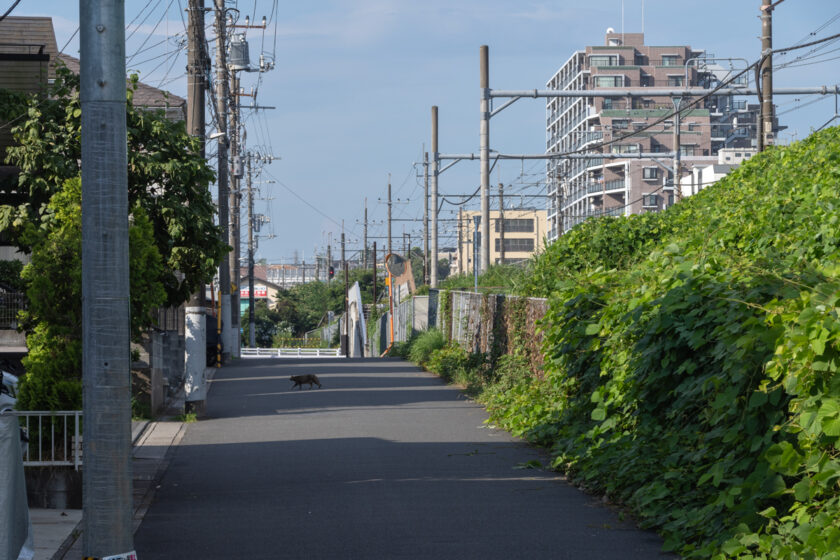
384,461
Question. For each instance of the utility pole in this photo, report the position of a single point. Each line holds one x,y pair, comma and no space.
195,339
476,237
329,260
765,127
677,191
365,249
484,146
426,218
235,230
345,339
390,248
106,392
433,281
461,260
225,338
252,340
343,260
374,275
501,223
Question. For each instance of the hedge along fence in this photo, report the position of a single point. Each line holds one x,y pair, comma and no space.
493,324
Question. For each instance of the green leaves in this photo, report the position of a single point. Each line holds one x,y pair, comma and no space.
692,360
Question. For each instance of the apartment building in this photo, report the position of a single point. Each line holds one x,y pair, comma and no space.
582,188
515,235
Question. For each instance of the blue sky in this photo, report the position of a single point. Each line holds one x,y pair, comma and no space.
355,79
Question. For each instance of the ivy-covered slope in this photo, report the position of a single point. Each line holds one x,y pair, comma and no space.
692,360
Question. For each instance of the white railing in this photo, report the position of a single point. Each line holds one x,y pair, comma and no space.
291,353
55,438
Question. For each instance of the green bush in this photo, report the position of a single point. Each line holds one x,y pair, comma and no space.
424,345
692,358
455,364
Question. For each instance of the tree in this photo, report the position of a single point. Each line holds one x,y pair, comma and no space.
267,324
54,316
167,177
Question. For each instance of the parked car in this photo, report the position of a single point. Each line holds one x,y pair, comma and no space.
8,390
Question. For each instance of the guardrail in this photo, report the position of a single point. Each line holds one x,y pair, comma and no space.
291,353
55,438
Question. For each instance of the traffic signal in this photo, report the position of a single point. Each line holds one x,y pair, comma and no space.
332,272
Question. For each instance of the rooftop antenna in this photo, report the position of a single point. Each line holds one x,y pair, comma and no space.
643,17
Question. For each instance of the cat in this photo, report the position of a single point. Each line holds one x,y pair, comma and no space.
310,378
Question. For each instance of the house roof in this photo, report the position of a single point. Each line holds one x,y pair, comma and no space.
31,40
144,96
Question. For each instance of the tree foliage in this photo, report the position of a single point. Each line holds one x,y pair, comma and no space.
54,315
305,306
167,177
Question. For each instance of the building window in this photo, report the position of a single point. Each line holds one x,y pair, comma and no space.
517,225
608,104
620,124
650,201
676,80
650,172
687,150
603,60
516,245
670,60
608,81
624,148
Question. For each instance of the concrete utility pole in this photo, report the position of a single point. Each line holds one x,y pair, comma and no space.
374,275
484,146
195,337
252,338
106,381
343,260
677,191
765,127
501,223
476,238
426,218
365,247
345,337
433,281
235,231
225,337
390,248
329,261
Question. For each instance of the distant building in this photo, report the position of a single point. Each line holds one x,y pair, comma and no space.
582,188
517,239
701,176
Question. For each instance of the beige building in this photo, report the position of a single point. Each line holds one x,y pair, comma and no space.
517,239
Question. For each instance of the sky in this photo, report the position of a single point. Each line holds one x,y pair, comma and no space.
354,82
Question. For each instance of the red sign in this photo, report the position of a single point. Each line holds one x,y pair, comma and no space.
259,292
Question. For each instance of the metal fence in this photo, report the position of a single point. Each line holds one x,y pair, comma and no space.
10,304
55,438
291,353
